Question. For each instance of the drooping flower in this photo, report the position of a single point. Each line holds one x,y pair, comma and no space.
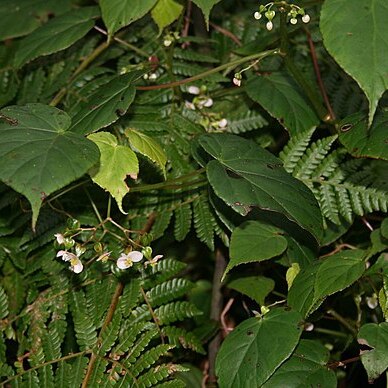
75,263
126,260
167,42
293,20
193,90
269,26
237,81
154,260
223,123
60,238
305,18
257,15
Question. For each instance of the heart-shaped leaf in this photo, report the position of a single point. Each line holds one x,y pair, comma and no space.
253,351
375,336
256,287
105,105
166,12
354,32
362,141
206,6
116,162
38,153
245,175
120,13
57,34
255,241
280,96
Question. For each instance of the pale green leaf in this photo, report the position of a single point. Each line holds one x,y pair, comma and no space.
252,352
148,147
57,34
166,12
291,274
375,336
105,105
255,241
16,17
120,13
246,176
206,6
116,162
38,153
256,287
354,32
281,97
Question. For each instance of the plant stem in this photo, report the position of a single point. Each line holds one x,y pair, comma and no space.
343,321
311,94
217,69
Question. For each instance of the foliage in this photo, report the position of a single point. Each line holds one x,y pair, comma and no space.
203,176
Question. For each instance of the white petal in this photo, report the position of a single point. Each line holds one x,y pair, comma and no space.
223,123
60,238
237,81
76,265
61,253
189,105
293,21
257,15
193,90
269,26
157,257
208,103
135,256
123,262
167,42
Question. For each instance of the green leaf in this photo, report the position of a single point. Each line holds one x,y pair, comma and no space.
256,287
245,175
147,147
57,34
16,16
116,162
206,6
280,96
38,153
384,228
255,241
166,12
117,14
305,368
252,352
105,105
375,361
354,33
338,272
362,141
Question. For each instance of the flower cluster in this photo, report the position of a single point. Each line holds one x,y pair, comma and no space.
269,14
170,38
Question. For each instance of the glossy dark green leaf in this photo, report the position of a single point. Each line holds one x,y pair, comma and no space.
362,141
305,368
20,17
39,155
57,34
375,336
105,105
282,99
253,351
256,287
120,13
245,175
354,32
255,241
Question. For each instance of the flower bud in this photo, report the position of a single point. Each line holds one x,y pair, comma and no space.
293,20
257,15
269,26
305,18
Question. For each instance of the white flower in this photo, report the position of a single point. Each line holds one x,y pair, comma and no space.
153,76
60,238
223,123
257,15
167,42
305,18
126,260
193,90
154,260
293,20
75,263
237,81
208,103
269,26
189,105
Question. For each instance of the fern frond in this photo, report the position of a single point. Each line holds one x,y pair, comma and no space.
193,56
139,346
157,374
161,223
295,149
183,218
51,343
3,304
109,335
149,358
245,122
130,297
181,337
78,369
63,375
168,291
171,384
204,222
176,311
313,157
162,271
